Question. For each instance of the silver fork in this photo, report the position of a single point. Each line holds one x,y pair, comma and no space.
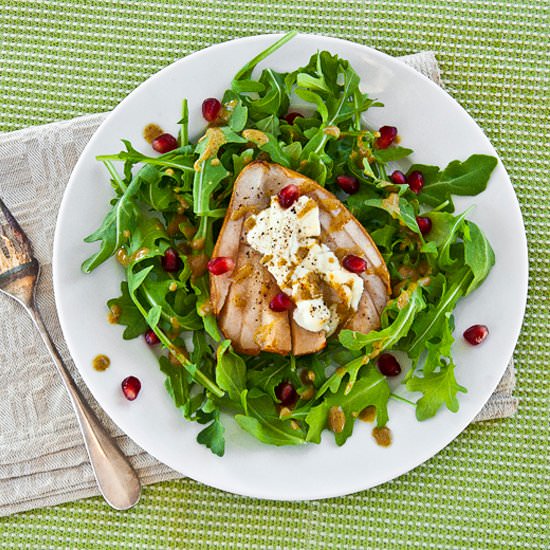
19,270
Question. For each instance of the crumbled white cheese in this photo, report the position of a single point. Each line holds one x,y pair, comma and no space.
288,239
313,315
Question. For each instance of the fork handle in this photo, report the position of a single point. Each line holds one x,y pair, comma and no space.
117,480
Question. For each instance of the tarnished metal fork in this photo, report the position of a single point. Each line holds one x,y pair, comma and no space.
19,270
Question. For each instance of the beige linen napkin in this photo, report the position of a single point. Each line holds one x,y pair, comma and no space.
42,458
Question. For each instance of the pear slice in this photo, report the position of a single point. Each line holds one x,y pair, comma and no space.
240,299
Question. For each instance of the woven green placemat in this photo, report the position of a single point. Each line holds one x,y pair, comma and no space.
489,488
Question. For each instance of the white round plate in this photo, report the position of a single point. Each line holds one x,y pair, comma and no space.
438,130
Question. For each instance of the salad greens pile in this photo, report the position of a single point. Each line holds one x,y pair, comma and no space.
178,200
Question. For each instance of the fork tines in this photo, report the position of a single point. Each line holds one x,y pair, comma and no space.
15,247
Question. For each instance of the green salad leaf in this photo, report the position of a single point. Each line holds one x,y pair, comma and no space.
458,178
212,436
263,422
230,371
437,389
371,389
127,314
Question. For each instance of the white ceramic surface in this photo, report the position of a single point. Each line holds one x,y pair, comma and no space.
438,130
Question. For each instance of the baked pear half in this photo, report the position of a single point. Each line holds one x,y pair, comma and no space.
242,298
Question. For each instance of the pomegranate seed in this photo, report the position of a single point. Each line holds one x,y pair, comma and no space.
286,394
476,334
349,184
398,177
164,143
355,264
151,338
280,302
211,108
220,265
388,365
387,136
288,195
424,224
130,387
171,261
416,181
292,116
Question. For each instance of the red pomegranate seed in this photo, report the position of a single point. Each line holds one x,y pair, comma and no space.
220,265
130,387
151,338
349,184
286,394
398,177
388,365
476,334
387,136
355,264
164,143
171,261
280,302
424,224
292,116
211,108
416,181
288,195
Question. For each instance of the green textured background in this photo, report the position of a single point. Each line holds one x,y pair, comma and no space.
488,489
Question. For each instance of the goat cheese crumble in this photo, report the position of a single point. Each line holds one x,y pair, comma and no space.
289,240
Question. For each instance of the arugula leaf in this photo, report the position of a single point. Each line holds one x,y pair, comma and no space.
370,389
209,171
442,226
356,205
128,315
177,384
268,378
438,347
316,99
454,230
246,72
200,287
240,161
268,143
212,436
149,239
428,324
270,125
478,255
230,371
157,291
391,154
238,113
153,316
350,369
384,236
407,306
398,208
437,389
156,191
319,83
264,423
180,158
122,217
273,100
136,278
459,178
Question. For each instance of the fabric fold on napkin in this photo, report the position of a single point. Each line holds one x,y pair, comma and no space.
43,461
